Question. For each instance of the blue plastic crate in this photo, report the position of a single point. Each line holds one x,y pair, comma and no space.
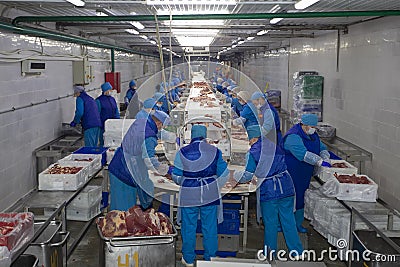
232,206
94,150
230,225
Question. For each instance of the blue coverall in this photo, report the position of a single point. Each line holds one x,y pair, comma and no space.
108,109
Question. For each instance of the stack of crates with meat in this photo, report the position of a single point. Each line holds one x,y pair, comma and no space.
228,230
307,94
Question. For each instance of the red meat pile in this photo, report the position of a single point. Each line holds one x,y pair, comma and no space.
352,179
340,165
135,222
14,227
57,169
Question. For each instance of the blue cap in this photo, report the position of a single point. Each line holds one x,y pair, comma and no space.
309,119
162,116
198,131
253,131
78,89
257,95
149,103
106,86
132,83
158,96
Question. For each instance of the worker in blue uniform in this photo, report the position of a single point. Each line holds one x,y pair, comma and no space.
130,92
161,102
129,167
147,110
248,116
87,114
275,190
237,107
107,107
200,171
219,87
268,116
303,150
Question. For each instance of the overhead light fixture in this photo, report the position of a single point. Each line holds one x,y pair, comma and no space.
303,4
275,20
195,32
262,32
189,2
137,24
200,41
274,9
132,31
79,3
241,42
233,46
211,22
228,48
153,42
250,38
144,37
101,14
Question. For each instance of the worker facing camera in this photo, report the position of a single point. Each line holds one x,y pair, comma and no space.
303,151
200,171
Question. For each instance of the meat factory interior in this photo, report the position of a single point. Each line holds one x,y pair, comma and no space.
234,133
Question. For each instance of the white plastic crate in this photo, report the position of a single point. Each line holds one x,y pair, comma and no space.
93,166
117,126
62,182
83,214
351,192
325,173
88,197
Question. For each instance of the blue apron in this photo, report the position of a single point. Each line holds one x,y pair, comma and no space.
301,171
273,179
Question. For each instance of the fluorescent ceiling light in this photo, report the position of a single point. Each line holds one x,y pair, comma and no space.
233,46
195,40
228,49
262,32
212,22
275,20
241,42
214,9
76,2
132,31
189,2
250,38
144,37
153,42
101,14
195,32
274,9
303,4
137,24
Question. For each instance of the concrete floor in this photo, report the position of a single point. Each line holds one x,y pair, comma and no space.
87,253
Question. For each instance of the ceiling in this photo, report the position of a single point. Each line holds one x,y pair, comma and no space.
220,33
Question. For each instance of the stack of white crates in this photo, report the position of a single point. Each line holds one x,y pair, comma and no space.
86,205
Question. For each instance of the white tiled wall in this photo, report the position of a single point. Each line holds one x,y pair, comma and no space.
362,100
23,131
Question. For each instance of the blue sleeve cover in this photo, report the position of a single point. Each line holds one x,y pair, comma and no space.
79,110
296,146
177,173
269,121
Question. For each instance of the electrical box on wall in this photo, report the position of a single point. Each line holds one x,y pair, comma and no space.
32,67
81,72
115,79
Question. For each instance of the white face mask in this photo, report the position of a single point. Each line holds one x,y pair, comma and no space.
311,131
259,106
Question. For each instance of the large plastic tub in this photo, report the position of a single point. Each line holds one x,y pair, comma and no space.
90,195
138,250
91,162
49,246
94,150
62,182
84,214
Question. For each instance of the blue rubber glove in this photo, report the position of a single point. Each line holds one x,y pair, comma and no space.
72,124
178,141
170,170
326,164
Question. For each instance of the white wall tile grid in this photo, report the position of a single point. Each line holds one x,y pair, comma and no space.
362,100
22,131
